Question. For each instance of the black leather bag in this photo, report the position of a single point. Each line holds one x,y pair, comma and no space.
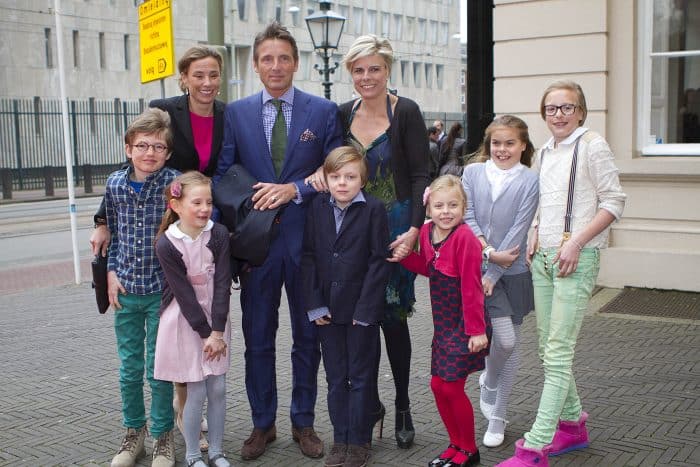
99,282
252,231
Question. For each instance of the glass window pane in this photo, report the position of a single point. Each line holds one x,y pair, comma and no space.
371,21
357,20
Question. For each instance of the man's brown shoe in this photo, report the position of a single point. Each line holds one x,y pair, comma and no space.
358,455
257,442
310,444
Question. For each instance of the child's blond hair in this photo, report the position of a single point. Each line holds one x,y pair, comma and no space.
342,156
443,183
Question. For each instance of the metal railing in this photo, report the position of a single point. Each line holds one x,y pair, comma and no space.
31,140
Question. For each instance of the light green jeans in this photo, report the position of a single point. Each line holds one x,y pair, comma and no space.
136,327
560,304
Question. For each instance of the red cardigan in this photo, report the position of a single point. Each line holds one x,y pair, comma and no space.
460,256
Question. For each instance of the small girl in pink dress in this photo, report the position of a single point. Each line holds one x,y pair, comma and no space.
194,329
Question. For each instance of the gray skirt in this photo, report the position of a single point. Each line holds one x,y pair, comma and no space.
512,296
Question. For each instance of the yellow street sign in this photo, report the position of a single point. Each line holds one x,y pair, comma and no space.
156,45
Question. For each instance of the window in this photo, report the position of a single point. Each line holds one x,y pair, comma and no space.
410,28
669,69
428,75
241,10
48,50
357,20
444,33
127,63
433,32
261,10
371,21
101,45
416,75
294,14
278,11
304,65
76,49
439,75
421,31
395,74
397,27
344,10
404,72
386,20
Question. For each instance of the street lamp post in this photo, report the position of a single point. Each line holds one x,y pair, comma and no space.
325,28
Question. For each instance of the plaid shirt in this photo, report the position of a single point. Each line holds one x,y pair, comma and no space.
133,219
269,112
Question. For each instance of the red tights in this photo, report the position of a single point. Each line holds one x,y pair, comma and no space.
457,415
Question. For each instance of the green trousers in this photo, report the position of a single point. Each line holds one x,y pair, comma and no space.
560,304
136,327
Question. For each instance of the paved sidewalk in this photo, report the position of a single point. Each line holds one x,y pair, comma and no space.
59,404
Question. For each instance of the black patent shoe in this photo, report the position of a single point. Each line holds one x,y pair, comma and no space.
472,459
405,433
441,461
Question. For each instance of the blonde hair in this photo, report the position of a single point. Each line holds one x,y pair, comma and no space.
342,156
367,45
152,121
193,54
446,183
176,190
567,85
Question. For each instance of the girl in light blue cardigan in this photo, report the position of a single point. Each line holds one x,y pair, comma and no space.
502,196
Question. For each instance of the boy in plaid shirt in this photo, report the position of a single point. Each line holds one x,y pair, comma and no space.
135,204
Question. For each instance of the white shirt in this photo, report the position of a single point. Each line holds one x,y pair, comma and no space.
597,187
498,178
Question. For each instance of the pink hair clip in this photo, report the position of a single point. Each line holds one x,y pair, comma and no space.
426,196
176,189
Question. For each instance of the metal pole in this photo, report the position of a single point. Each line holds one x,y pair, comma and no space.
67,142
215,36
326,75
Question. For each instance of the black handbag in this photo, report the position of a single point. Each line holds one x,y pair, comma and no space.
99,282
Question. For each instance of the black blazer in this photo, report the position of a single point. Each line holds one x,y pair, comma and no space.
184,156
346,272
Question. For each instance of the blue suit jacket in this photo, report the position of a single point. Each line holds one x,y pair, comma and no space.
315,130
348,271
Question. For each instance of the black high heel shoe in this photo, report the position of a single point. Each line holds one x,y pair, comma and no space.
378,417
405,433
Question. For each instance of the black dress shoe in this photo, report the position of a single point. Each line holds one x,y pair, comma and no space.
405,433
472,459
441,461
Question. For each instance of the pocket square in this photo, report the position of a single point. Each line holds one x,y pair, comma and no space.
307,135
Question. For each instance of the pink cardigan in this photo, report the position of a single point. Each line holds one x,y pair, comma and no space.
460,256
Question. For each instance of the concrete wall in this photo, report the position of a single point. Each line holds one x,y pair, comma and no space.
657,243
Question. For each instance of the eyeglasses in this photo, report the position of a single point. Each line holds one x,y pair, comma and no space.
566,109
143,147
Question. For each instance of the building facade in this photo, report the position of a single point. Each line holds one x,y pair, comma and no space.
101,46
639,65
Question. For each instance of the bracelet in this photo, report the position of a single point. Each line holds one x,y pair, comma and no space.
217,338
488,249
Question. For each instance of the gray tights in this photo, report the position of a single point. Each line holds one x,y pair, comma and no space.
213,388
501,368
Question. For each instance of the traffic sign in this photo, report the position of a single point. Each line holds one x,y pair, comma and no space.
156,45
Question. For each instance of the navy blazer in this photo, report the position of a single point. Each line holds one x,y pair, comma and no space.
348,271
185,156
314,131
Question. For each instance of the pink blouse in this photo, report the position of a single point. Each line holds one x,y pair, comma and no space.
202,132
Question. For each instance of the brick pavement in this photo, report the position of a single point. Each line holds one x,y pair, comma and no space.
59,403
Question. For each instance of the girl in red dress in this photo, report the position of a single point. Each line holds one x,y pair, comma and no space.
450,255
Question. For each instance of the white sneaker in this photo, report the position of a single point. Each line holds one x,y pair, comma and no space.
486,408
131,449
164,451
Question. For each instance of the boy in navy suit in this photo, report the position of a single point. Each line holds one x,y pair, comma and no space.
344,275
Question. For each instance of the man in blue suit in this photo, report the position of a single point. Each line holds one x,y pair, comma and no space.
282,167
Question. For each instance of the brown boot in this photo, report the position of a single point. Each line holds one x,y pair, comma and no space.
257,442
358,455
310,444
